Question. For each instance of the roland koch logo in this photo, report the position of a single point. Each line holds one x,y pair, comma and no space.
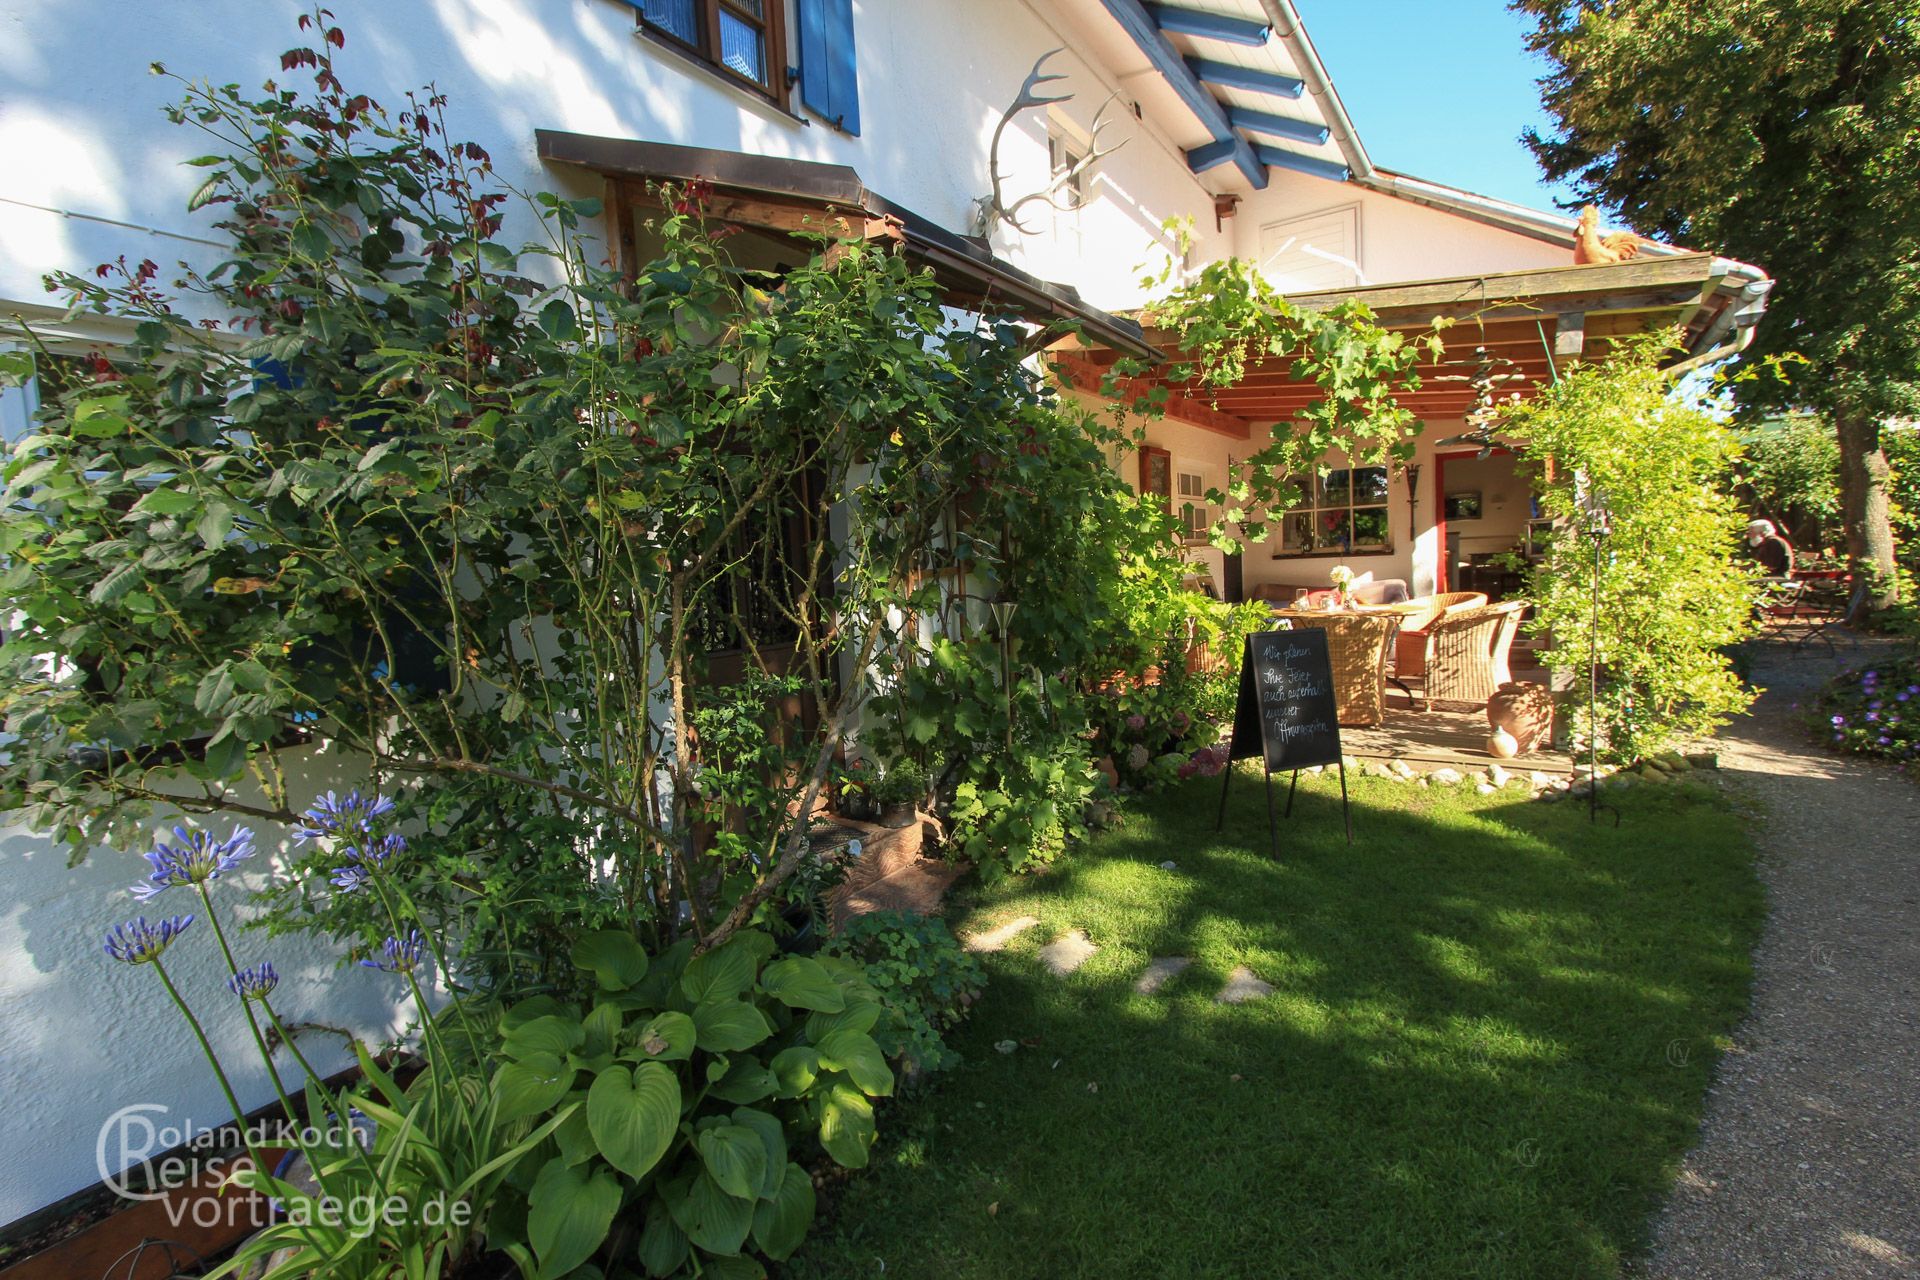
133,1143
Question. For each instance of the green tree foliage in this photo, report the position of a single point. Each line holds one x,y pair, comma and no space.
1782,132
1671,596
1790,467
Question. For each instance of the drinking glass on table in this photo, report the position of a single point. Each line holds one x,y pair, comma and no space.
1299,597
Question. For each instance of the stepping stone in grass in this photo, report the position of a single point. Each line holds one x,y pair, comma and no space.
997,939
1066,953
1159,973
1241,987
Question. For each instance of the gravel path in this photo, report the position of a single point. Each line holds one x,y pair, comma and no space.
1808,1163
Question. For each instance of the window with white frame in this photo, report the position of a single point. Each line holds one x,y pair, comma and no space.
1342,511
1190,489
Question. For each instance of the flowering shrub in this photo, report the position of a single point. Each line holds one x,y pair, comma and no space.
670,1099
1874,711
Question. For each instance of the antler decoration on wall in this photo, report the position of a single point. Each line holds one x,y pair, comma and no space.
996,208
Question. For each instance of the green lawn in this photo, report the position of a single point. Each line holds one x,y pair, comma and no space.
1492,1031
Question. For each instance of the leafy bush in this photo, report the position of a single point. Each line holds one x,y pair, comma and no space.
1672,595
687,1094
1874,711
923,977
1018,769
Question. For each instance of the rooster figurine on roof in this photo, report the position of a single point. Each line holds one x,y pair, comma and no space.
1590,246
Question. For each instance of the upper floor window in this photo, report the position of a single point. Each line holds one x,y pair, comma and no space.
742,38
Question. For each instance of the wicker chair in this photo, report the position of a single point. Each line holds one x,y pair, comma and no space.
1466,655
1357,648
1410,646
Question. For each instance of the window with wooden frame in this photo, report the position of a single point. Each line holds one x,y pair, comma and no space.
1342,512
745,40
1195,515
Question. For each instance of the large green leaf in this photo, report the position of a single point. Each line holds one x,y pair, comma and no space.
569,1211
555,1034
633,1115
746,1080
721,974
859,1015
712,1219
855,1053
780,1223
846,1124
794,1070
729,1025
613,956
735,1158
534,1084
663,1245
773,1136
801,983
667,1037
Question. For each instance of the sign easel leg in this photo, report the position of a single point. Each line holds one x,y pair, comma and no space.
1295,786
1226,776
1273,828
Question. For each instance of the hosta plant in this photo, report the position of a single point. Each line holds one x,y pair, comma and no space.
690,1092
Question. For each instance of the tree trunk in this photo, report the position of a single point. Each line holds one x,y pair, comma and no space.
1864,482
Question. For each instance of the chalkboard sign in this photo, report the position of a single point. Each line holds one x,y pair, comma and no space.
1287,716
1286,708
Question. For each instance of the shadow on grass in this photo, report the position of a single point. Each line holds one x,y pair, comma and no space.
1491,1031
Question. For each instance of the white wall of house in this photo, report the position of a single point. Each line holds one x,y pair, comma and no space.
92,170
1391,239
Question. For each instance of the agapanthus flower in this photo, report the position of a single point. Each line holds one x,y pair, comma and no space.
196,859
140,942
351,815
254,983
365,860
397,955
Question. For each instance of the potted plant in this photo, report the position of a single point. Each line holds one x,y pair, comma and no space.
899,792
806,908
856,791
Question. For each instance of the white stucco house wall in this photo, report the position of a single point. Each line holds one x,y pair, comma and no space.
1221,111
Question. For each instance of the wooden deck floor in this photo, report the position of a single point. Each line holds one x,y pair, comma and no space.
1429,739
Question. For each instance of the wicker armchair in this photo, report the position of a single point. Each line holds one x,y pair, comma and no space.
1357,648
1410,646
1466,655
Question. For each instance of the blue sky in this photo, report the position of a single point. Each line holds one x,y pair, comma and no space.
1439,89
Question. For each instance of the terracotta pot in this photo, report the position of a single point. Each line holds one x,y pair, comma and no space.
1523,710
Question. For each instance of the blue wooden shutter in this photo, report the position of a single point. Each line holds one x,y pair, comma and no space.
829,84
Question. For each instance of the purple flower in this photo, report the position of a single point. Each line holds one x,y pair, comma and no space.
351,815
1136,722
138,942
196,859
397,956
1873,715
254,983
1839,720
366,863
1903,695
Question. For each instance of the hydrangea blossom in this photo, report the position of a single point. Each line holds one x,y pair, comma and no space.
254,983
140,942
195,859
